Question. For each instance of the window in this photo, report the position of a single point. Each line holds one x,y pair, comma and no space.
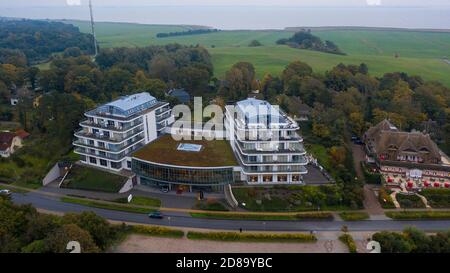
93,160
129,164
83,158
91,142
116,165
103,162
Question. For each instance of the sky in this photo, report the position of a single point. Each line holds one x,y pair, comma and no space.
329,3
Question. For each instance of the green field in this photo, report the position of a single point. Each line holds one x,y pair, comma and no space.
419,53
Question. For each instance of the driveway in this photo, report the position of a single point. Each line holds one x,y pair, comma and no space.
371,203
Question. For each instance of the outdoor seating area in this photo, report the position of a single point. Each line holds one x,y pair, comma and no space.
411,184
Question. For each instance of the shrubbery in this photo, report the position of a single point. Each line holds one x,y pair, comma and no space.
371,178
418,215
158,231
437,198
252,237
413,241
347,239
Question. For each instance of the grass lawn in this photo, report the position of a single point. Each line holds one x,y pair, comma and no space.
91,179
419,53
354,216
418,215
252,237
108,206
265,217
141,201
410,201
321,153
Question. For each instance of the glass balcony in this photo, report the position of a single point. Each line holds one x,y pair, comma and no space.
119,128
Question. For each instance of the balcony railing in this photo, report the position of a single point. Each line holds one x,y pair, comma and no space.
111,147
301,160
109,137
106,126
252,149
276,169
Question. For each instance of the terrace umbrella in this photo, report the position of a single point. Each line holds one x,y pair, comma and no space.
426,183
437,185
410,184
390,180
447,185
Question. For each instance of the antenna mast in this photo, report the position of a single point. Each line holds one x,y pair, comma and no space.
93,28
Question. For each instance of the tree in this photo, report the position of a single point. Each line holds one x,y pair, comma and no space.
101,231
162,67
296,68
254,43
57,241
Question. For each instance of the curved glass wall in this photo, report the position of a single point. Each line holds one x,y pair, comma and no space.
183,175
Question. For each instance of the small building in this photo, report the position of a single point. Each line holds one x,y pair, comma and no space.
185,165
409,154
9,143
181,95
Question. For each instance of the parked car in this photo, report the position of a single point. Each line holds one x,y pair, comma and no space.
156,215
165,189
5,192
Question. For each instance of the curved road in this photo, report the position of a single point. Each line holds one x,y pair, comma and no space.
50,203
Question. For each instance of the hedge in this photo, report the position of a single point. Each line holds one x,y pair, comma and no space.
252,237
354,216
371,178
347,239
266,217
418,215
158,231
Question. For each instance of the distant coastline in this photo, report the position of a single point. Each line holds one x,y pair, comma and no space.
252,18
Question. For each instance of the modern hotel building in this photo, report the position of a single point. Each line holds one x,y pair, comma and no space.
113,131
266,143
133,133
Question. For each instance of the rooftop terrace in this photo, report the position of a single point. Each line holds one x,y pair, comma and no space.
215,153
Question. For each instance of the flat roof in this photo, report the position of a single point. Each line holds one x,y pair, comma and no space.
164,150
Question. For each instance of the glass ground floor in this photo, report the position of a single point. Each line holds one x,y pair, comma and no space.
182,178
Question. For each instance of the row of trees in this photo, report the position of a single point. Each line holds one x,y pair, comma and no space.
23,229
185,33
34,40
347,99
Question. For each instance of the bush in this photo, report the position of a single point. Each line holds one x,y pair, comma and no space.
418,215
158,231
437,198
385,199
348,240
252,237
354,216
371,178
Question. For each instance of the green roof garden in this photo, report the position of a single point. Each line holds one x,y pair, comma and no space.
164,150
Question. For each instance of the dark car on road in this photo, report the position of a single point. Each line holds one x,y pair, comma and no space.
156,215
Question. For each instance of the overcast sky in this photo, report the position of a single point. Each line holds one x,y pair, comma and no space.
230,2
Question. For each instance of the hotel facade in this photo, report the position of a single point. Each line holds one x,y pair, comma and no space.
113,131
266,143
134,134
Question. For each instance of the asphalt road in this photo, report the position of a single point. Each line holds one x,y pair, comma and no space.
181,220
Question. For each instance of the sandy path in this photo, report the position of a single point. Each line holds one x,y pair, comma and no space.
143,244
